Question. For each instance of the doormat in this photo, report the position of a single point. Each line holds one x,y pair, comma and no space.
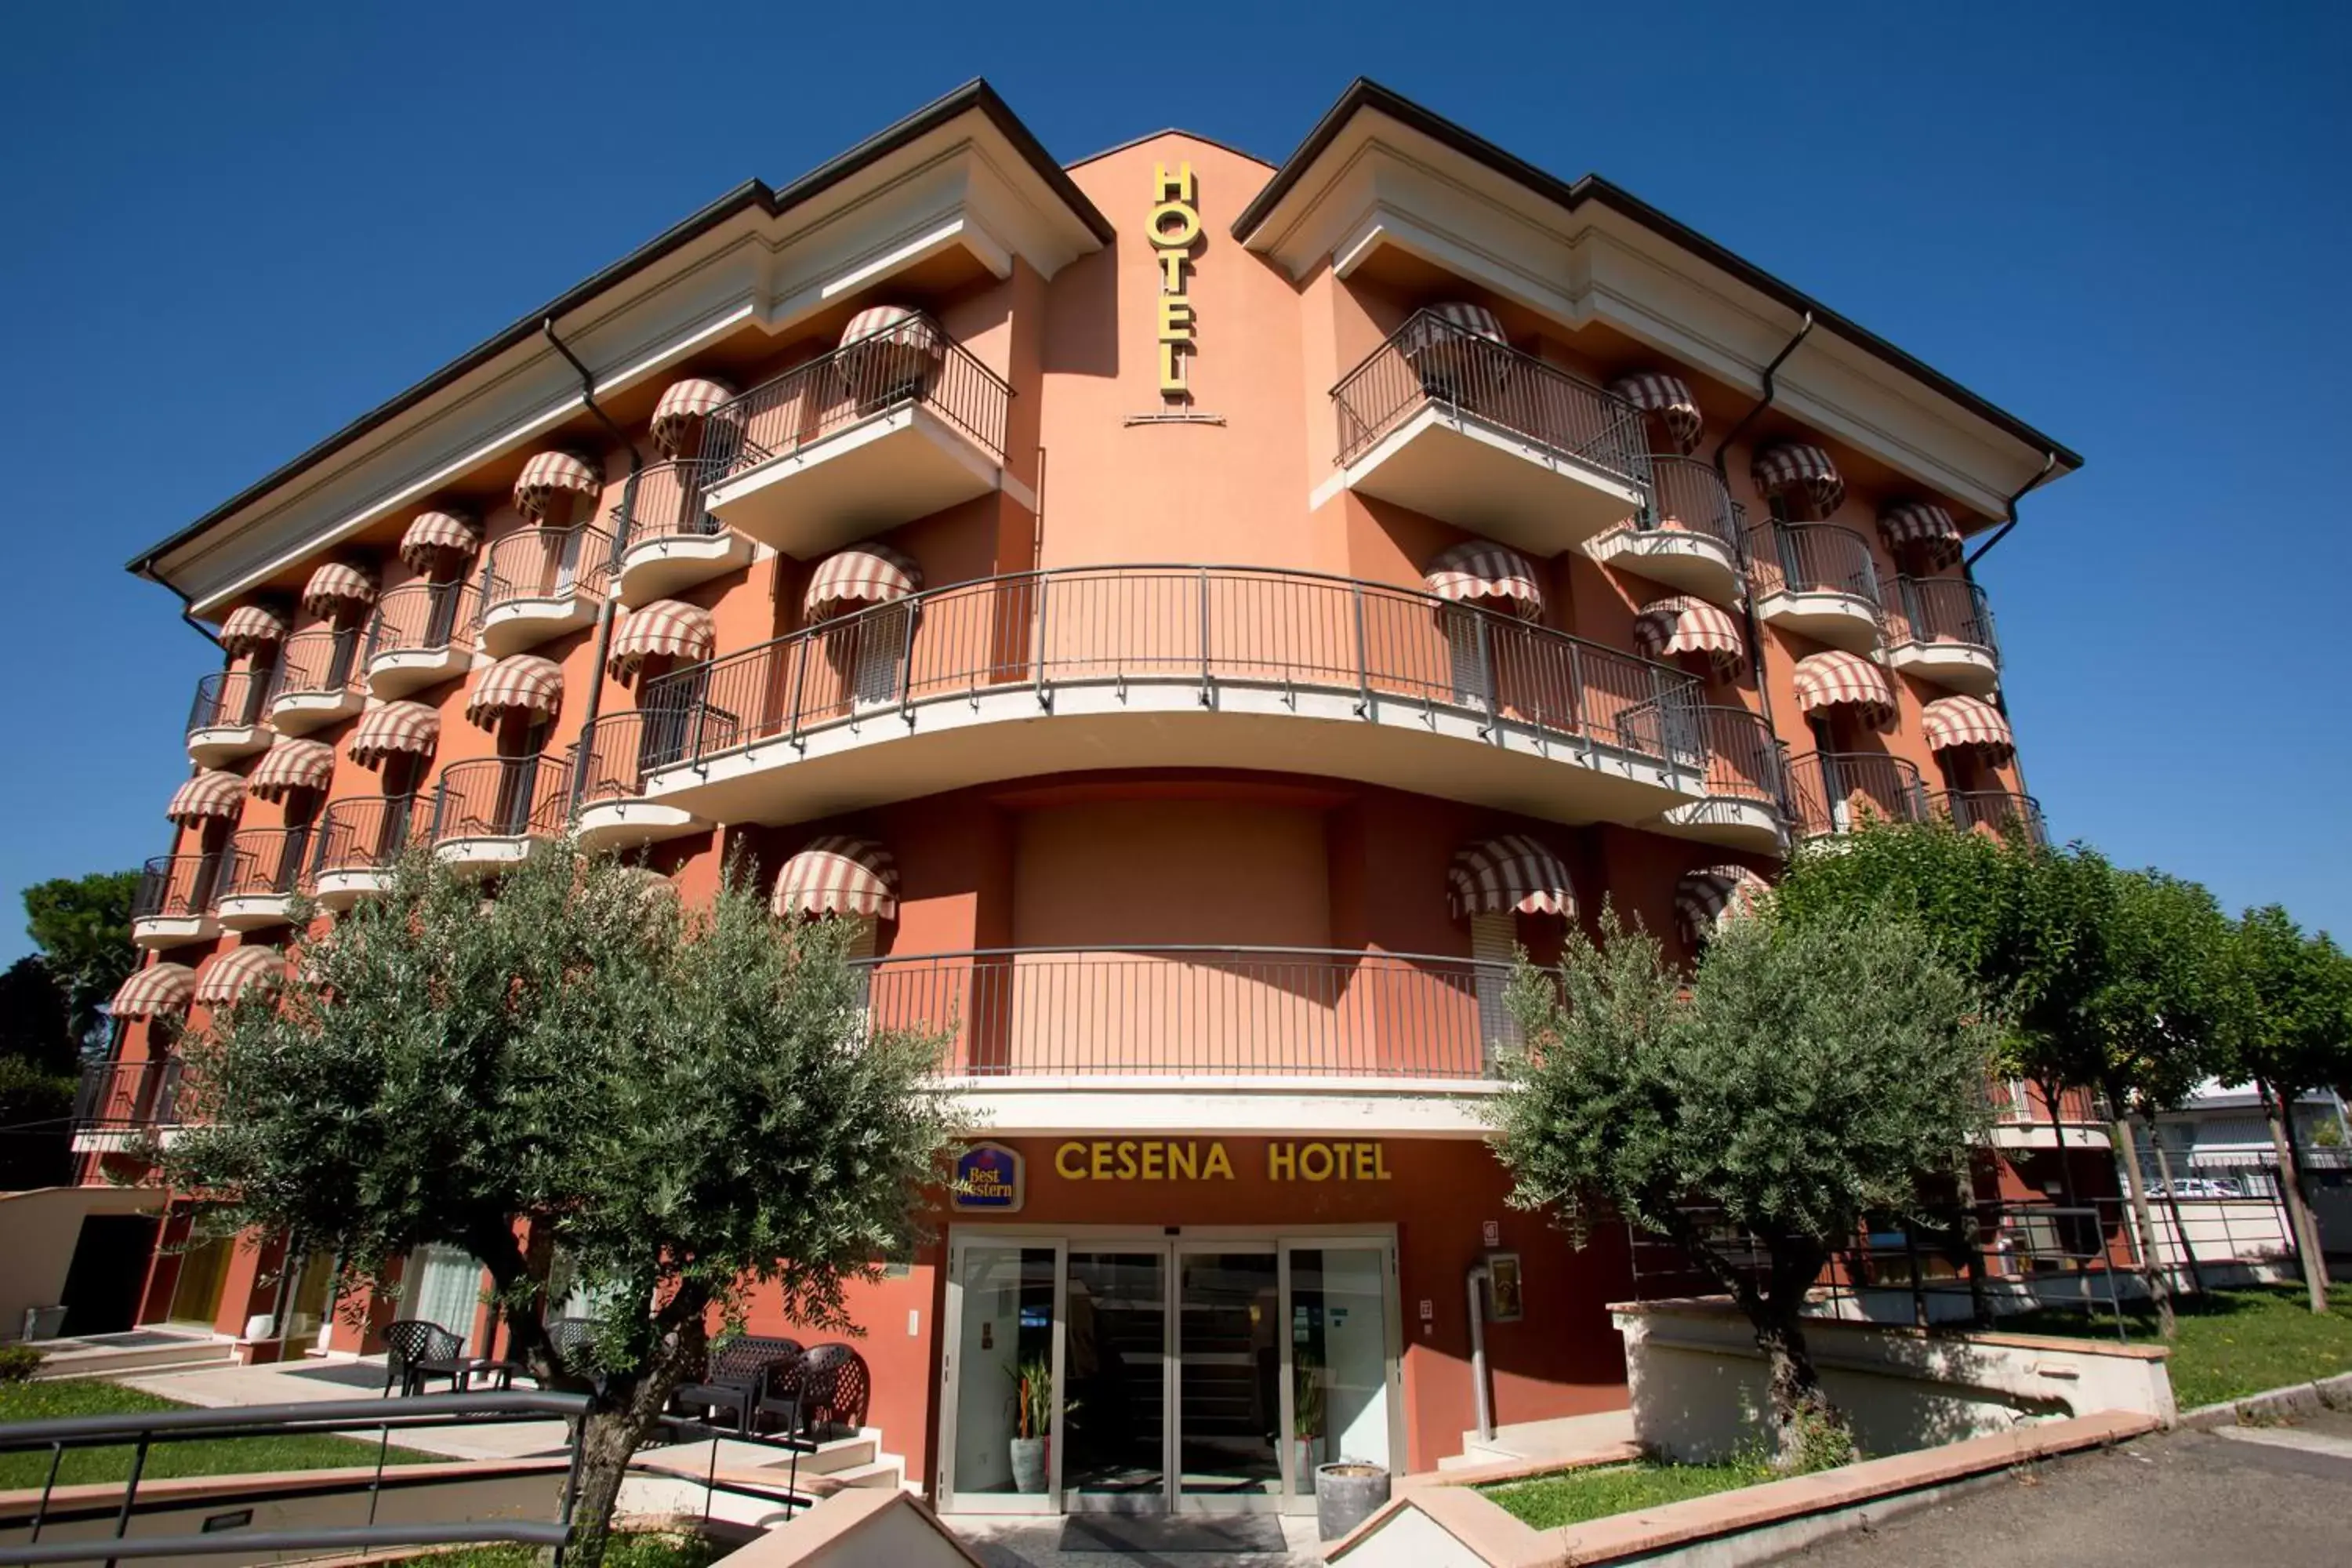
1257,1532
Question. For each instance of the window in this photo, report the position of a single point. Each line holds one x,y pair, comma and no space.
1494,943
878,671
1466,657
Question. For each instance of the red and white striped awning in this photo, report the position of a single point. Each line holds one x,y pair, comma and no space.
1669,398
907,328
862,574
1921,529
1957,724
212,794
291,764
1711,897
684,405
225,976
434,537
837,875
661,627
157,989
1793,466
521,682
1479,570
396,728
1683,623
252,626
1475,319
550,474
335,584
1513,874
1835,680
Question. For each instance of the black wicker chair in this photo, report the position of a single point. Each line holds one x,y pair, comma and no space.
737,1378
834,1388
417,1352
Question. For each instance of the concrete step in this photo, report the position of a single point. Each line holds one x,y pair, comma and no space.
1531,1441
838,1454
99,1362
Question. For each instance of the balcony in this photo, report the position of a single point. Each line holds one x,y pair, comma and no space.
666,538
615,813
1997,812
1832,793
173,905
1744,801
360,840
1174,667
1816,579
1941,629
423,634
487,813
1694,537
881,431
541,582
1458,426
2022,1120
227,719
119,1103
260,877
318,680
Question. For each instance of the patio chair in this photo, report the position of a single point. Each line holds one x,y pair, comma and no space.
834,1388
736,1378
417,1352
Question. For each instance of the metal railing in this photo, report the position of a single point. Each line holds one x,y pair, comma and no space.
546,563
1690,497
264,862
2000,812
175,887
1941,609
320,662
1205,628
501,797
422,617
1834,791
1252,1011
230,699
912,364
1812,558
610,762
664,501
365,833
1431,363
1745,761
120,1096
2016,1103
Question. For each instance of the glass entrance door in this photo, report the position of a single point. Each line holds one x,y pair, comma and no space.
1229,1354
1115,1394
1003,1367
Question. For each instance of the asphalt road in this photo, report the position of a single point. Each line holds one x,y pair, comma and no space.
2278,1495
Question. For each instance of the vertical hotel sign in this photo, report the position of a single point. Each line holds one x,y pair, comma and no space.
1175,229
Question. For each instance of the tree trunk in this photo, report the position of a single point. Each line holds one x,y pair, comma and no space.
618,1420
2151,1264
2172,1202
2277,1109
2052,1094
1802,1412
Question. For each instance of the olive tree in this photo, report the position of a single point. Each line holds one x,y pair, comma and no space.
684,1103
1812,1074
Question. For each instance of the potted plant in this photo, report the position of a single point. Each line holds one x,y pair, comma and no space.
1307,1413
1032,1424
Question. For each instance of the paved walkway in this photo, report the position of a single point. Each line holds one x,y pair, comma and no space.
1051,1542
2272,1495
315,1380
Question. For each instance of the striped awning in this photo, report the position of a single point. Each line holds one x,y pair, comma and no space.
550,474
396,728
904,326
522,682
1513,874
291,764
434,537
336,585
213,794
252,626
225,976
1826,681
1707,899
684,405
1475,319
1481,570
1960,724
1921,529
1794,466
864,574
158,988
663,626
1669,398
1683,623
837,875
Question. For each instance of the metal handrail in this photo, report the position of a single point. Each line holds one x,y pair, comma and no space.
172,887
1204,627
322,661
1833,791
422,617
1690,497
230,699
115,1094
365,833
263,862
1431,363
501,797
1812,558
665,501
545,564
1941,609
1997,811
610,762
1745,760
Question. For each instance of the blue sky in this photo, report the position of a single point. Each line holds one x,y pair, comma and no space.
234,228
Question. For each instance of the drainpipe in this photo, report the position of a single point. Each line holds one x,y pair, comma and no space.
1723,473
605,610
1477,1282
2009,518
187,606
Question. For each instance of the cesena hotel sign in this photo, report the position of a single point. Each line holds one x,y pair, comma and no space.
1175,229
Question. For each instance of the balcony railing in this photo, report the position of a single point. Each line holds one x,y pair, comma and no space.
320,662
1835,792
2018,1104
664,501
1258,1011
1431,363
1812,558
1745,761
2000,812
501,797
1691,496
1208,628
264,862
175,887
365,833
230,700
1939,609
127,1097
422,617
534,563
622,749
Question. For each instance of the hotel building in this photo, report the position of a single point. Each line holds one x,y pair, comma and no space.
1194,618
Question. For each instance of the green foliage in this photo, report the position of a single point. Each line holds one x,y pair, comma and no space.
36,1126
35,1026
1032,1397
1573,1497
201,1456
2150,1021
2231,1343
19,1362
1306,1395
82,926
2284,1018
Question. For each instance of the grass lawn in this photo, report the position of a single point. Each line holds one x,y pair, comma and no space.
1549,1501
638,1549
195,1456
2233,1342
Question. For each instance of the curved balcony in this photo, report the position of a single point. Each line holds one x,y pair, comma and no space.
2001,813
229,718
173,904
614,812
1817,580
318,680
360,838
260,876
1745,798
1459,426
487,813
1941,629
541,582
1174,667
879,432
1694,536
118,1103
665,538
1832,793
423,634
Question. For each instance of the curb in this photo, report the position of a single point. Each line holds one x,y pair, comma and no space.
2273,1403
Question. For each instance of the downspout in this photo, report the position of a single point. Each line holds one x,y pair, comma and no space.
1477,1282
2008,517
187,607
611,596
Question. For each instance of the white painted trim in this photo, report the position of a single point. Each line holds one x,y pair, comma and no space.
1233,1106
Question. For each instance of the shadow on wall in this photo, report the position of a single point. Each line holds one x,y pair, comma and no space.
1082,317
